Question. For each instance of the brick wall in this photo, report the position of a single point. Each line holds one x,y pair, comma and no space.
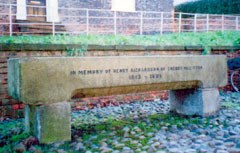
14,109
215,23
127,23
74,20
140,5
102,22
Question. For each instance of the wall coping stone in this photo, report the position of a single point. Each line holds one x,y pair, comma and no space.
62,47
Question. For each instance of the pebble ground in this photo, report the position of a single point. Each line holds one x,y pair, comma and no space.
142,128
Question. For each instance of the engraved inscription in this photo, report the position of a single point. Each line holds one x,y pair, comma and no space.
138,73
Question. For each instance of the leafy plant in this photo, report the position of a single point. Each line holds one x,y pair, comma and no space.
210,7
77,51
229,38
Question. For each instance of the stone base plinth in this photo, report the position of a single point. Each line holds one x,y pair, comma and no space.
201,102
49,123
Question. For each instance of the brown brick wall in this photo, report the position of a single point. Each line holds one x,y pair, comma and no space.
14,109
127,23
102,22
140,5
74,20
214,22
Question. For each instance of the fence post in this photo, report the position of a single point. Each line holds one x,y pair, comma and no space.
195,23
161,30
53,28
115,22
179,22
141,24
87,24
207,22
236,23
10,20
222,23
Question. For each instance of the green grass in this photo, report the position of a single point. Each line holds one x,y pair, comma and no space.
230,38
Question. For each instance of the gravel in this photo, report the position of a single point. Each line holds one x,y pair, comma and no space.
147,128
219,134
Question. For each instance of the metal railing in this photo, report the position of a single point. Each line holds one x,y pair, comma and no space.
75,21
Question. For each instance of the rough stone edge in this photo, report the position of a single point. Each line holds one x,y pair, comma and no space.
14,78
62,47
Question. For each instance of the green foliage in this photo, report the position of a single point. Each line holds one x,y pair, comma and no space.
18,138
230,38
77,51
207,51
210,7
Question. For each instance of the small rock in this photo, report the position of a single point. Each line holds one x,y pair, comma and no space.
19,148
137,129
156,145
119,145
134,142
232,132
145,147
88,152
132,132
138,150
221,151
57,144
190,150
174,128
150,134
126,148
61,151
32,148
152,149
126,129
218,142
38,151
175,150
233,150
229,144
106,150
79,139
202,150
79,146
141,137
126,135
161,152
211,144
103,144
202,136
125,140
164,128
186,122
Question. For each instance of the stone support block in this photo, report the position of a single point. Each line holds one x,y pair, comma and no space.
200,102
49,123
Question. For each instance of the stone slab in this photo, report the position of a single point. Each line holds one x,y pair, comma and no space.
52,80
201,102
62,47
49,123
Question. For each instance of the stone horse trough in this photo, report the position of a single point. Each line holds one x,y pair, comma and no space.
46,85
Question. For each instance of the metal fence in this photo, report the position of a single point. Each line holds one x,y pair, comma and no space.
77,21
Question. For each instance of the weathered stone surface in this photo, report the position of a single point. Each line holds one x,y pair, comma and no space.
202,102
52,80
49,123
